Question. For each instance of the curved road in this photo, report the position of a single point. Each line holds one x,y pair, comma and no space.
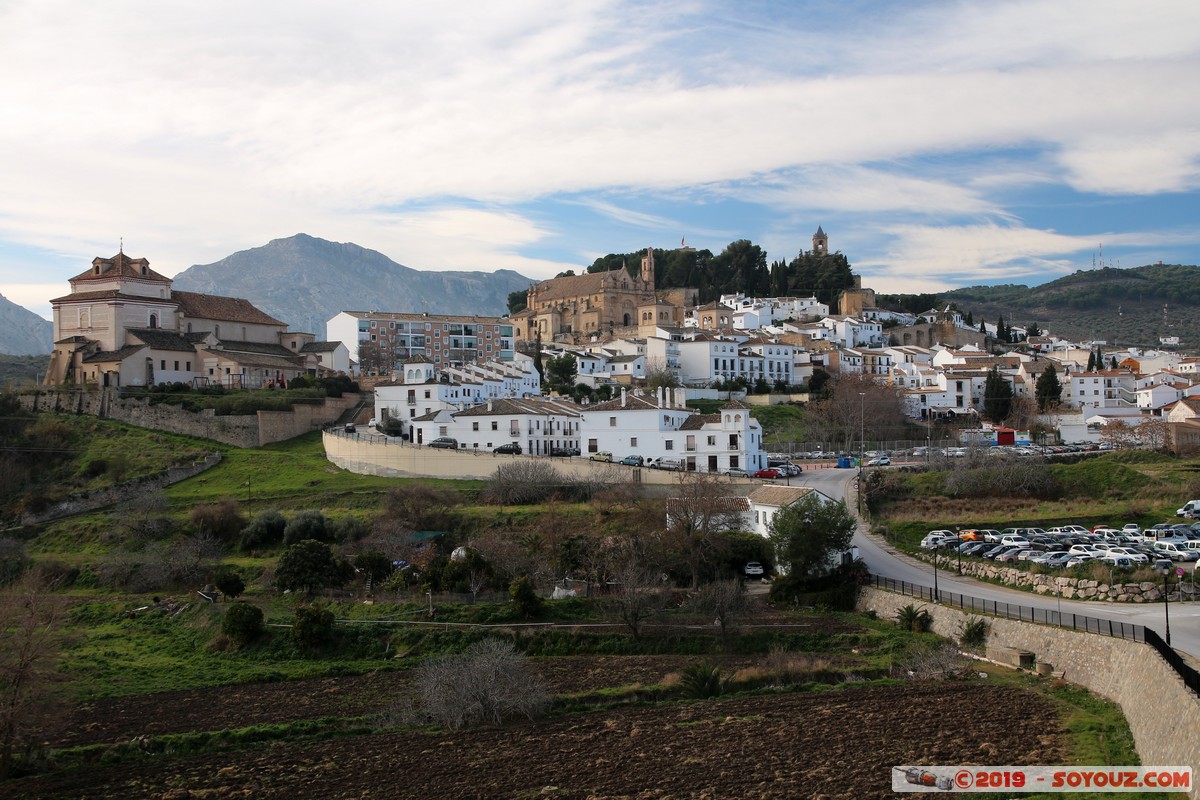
883,559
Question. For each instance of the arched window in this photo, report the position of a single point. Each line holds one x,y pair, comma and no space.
154,320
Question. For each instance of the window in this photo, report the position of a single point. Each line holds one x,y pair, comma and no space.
474,426
592,448
612,422
669,444
177,366
495,425
712,441
633,441
162,364
187,366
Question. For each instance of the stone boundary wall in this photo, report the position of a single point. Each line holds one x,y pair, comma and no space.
82,502
369,454
1163,714
247,431
1071,588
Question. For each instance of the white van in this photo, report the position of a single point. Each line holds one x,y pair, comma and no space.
1176,552
1190,509
672,464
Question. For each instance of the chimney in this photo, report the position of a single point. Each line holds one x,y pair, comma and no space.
622,397
660,393
489,404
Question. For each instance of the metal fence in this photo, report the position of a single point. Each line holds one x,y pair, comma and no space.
1046,616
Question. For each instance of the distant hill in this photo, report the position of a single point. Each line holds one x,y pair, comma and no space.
304,281
22,332
1128,307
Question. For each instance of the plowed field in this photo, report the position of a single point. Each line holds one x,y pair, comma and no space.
838,744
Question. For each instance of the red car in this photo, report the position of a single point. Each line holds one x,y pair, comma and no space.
768,473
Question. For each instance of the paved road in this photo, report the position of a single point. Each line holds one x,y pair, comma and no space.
882,559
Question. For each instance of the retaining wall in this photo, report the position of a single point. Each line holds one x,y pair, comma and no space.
369,454
248,430
1163,714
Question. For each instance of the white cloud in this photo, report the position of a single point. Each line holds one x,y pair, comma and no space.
198,130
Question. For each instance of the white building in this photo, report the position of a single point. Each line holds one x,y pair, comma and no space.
659,426
541,426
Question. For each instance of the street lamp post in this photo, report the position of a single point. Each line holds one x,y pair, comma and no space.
936,593
1166,571
958,548
862,429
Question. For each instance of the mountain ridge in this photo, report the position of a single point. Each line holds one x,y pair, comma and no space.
22,332
304,281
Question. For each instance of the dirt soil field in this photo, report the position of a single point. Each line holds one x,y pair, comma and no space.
838,744
120,719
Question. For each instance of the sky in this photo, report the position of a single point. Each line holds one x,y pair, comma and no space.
938,144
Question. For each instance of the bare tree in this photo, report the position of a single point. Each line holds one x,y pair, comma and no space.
488,683
639,594
523,482
30,626
858,408
698,515
725,601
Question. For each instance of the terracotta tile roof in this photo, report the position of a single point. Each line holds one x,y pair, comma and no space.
781,496
105,294
513,405
161,339
633,402
223,309
262,348
120,266
114,355
697,421
320,347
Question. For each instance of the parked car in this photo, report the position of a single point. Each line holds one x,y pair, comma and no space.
632,461
1176,551
754,569
1011,555
1079,558
564,452
444,442
1056,559
350,428
769,473
1130,553
671,464
603,455
934,538
1118,562
512,448
734,472
879,461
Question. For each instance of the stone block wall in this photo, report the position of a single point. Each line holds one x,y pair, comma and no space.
1070,588
249,430
1163,713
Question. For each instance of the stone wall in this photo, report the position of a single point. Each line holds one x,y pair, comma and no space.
82,502
1163,714
371,454
249,430
1071,588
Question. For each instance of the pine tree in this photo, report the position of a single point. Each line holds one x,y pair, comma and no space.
997,396
1049,389
1091,365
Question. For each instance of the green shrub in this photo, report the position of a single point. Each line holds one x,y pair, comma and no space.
973,632
703,679
229,583
265,530
525,598
307,525
914,619
312,627
242,623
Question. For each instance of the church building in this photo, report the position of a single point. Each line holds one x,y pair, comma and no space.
123,325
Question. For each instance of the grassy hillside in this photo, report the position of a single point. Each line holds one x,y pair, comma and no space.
1120,306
